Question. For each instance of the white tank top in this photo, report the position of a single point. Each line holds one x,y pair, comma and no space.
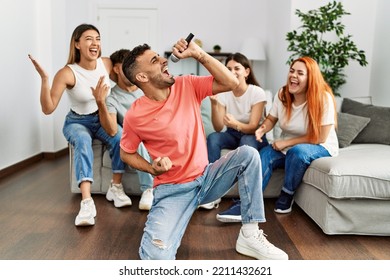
81,98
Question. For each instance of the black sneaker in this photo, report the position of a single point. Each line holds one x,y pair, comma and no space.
284,203
231,215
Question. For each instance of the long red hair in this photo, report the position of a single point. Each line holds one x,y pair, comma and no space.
316,96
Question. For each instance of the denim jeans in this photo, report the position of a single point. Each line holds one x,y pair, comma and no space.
174,204
79,131
295,163
145,178
230,139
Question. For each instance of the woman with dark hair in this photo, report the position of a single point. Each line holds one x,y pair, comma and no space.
84,70
240,111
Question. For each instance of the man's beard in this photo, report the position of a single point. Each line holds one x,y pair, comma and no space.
162,82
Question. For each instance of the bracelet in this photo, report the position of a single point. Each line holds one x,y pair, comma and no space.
237,127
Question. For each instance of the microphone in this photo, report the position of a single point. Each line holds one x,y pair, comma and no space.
188,40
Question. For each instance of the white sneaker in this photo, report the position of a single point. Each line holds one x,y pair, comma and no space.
211,205
87,213
146,200
117,194
258,247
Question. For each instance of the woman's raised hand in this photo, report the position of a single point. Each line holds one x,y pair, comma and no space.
38,67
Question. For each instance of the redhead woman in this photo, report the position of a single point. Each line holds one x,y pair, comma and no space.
82,73
305,110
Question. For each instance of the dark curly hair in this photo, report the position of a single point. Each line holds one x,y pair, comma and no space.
119,56
129,65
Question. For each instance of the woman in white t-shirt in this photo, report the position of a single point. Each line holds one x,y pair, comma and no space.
240,111
306,111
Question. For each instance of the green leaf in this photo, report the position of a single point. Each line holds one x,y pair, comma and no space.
332,56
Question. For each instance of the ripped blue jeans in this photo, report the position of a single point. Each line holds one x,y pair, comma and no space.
174,204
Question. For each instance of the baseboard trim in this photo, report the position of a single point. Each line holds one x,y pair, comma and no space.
34,159
55,155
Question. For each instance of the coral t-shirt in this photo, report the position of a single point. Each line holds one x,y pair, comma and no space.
171,128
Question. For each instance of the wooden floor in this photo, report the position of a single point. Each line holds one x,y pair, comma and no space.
37,212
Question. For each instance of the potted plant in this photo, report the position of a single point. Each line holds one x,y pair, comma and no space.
217,48
333,55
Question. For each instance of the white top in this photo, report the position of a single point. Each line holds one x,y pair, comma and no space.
297,126
81,98
241,107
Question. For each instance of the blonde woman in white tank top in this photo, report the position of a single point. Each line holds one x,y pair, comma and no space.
85,70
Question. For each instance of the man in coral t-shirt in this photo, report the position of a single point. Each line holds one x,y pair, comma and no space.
168,121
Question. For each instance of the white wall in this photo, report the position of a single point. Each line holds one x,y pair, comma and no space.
278,14
52,55
361,25
380,62
43,28
19,107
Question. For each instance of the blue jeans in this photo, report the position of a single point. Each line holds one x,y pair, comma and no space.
174,204
230,139
145,178
79,131
295,163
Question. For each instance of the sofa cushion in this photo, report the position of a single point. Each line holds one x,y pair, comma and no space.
107,163
206,116
348,127
344,216
378,130
344,176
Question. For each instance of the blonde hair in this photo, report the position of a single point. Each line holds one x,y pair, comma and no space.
74,53
316,95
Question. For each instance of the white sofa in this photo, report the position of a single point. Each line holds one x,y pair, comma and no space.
347,194
350,193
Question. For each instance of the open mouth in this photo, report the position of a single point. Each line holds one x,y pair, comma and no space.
165,71
94,51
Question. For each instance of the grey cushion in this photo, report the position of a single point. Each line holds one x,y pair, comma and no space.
349,126
359,171
206,116
378,130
